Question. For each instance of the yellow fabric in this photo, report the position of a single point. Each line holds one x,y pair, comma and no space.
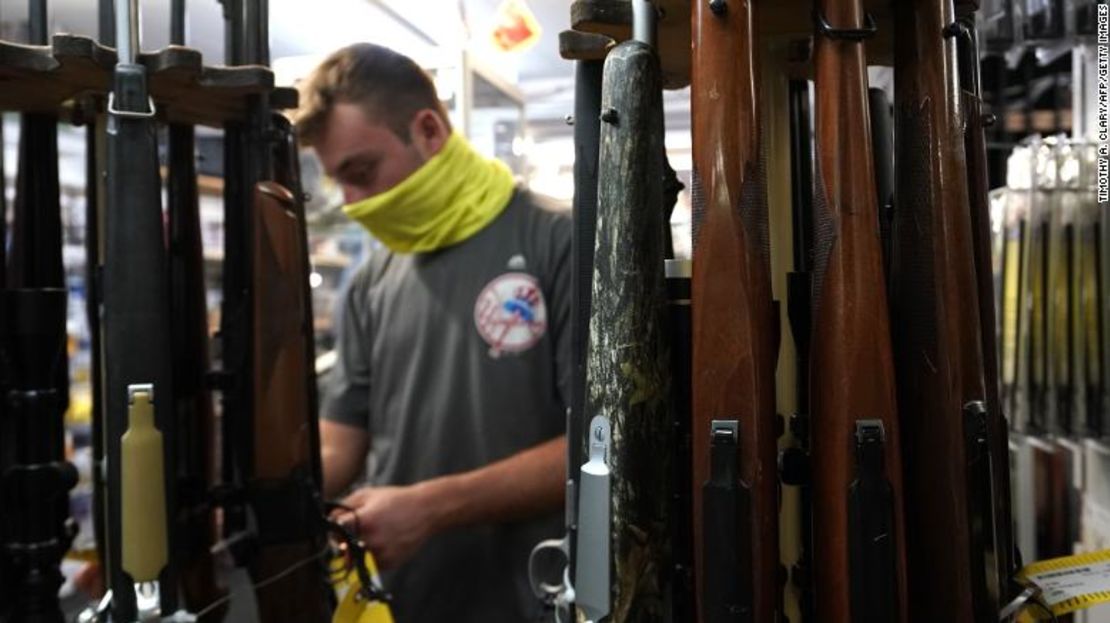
447,200
353,608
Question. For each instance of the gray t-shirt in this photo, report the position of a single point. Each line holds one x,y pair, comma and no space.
453,360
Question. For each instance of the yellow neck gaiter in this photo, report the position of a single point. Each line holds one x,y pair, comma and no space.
447,200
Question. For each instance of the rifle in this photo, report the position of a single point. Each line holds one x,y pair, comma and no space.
857,465
1014,291
623,564
992,493
935,304
139,413
3,222
271,460
678,273
284,483
95,200
4,579
196,433
1091,295
35,479
587,133
882,147
795,461
734,327
1044,20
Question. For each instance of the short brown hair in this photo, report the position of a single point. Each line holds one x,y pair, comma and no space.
390,87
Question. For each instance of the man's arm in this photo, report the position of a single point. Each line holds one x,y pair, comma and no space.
396,521
529,483
342,453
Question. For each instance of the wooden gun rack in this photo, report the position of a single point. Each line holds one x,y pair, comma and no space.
60,77
612,19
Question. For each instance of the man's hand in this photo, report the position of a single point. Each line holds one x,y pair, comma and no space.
394,522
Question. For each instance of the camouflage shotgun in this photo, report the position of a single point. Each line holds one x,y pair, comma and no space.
935,306
859,573
734,427
35,528
623,557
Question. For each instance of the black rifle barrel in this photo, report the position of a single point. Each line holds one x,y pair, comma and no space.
882,151
587,126
679,274
39,22
3,215
177,22
998,553
137,342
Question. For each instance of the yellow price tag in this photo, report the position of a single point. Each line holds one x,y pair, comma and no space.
1070,583
353,606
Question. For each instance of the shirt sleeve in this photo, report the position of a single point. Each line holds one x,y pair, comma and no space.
347,390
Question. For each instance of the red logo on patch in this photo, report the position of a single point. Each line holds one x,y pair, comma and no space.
510,313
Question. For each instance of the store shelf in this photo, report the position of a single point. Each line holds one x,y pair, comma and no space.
47,78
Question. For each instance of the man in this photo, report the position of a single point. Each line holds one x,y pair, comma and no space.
453,347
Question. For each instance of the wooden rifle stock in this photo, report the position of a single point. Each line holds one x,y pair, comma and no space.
997,542
282,490
935,305
857,466
734,327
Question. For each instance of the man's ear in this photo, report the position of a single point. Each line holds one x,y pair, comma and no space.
429,133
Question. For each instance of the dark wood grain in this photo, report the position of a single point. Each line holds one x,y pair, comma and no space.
734,320
852,368
935,311
283,449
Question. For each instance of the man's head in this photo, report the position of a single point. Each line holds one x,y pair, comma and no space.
372,116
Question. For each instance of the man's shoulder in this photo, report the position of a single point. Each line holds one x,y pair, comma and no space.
543,220
370,269
542,208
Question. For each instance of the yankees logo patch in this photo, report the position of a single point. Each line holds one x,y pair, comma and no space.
510,313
